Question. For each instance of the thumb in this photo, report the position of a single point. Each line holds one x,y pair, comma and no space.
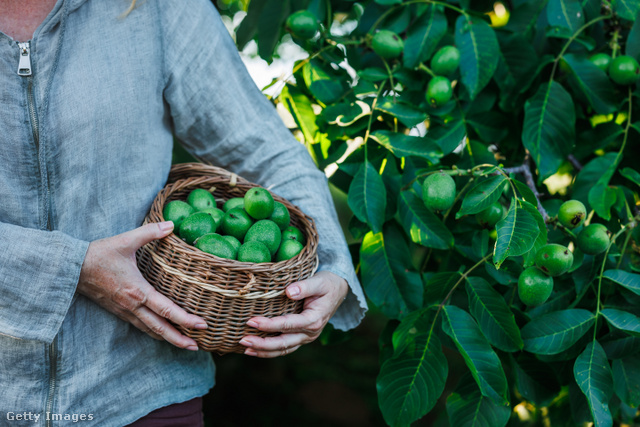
304,288
140,236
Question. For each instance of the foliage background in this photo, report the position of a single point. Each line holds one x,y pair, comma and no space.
529,88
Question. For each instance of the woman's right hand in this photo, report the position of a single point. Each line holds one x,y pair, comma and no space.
110,277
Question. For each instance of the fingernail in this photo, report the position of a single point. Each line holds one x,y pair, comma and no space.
193,348
250,352
252,323
293,291
166,226
245,343
201,325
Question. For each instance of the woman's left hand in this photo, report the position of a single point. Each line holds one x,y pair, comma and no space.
323,294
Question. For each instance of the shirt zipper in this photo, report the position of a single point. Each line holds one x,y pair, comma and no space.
25,70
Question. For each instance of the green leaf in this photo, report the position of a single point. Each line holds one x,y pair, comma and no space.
368,196
402,145
533,380
489,125
593,82
479,52
565,13
373,74
631,174
626,379
482,195
467,407
601,196
438,286
409,384
549,127
493,315
300,108
516,68
517,232
627,9
565,33
621,347
407,114
541,240
633,41
323,84
589,175
594,377
525,192
382,276
477,353
388,2
320,8
448,136
622,320
630,281
422,225
270,24
249,25
555,332
423,37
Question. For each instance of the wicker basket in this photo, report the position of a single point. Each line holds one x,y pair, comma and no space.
225,293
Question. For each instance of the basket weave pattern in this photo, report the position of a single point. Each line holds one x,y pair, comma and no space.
226,293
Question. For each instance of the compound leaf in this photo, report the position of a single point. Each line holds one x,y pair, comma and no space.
410,383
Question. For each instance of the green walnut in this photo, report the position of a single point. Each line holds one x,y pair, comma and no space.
302,24
624,70
438,192
593,239
489,217
445,61
439,91
534,287
387,44
601,60
572,213
554,259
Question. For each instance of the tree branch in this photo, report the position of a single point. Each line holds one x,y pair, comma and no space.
525,170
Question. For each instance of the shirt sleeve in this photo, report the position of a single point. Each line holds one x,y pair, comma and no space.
39,272
222,117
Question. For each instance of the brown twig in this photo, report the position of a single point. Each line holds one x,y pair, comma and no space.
574,162
525,170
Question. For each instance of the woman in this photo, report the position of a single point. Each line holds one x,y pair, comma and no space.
90,103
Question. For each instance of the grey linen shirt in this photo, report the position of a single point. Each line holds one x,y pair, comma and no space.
85,145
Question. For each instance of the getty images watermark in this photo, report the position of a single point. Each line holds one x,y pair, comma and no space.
48,416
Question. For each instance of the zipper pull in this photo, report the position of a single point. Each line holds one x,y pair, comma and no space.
24,65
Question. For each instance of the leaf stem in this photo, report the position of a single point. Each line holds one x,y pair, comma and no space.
461,279
373,109
426,69
572,39
604,263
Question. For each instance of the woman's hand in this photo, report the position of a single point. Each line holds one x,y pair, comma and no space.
110,277
323,294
